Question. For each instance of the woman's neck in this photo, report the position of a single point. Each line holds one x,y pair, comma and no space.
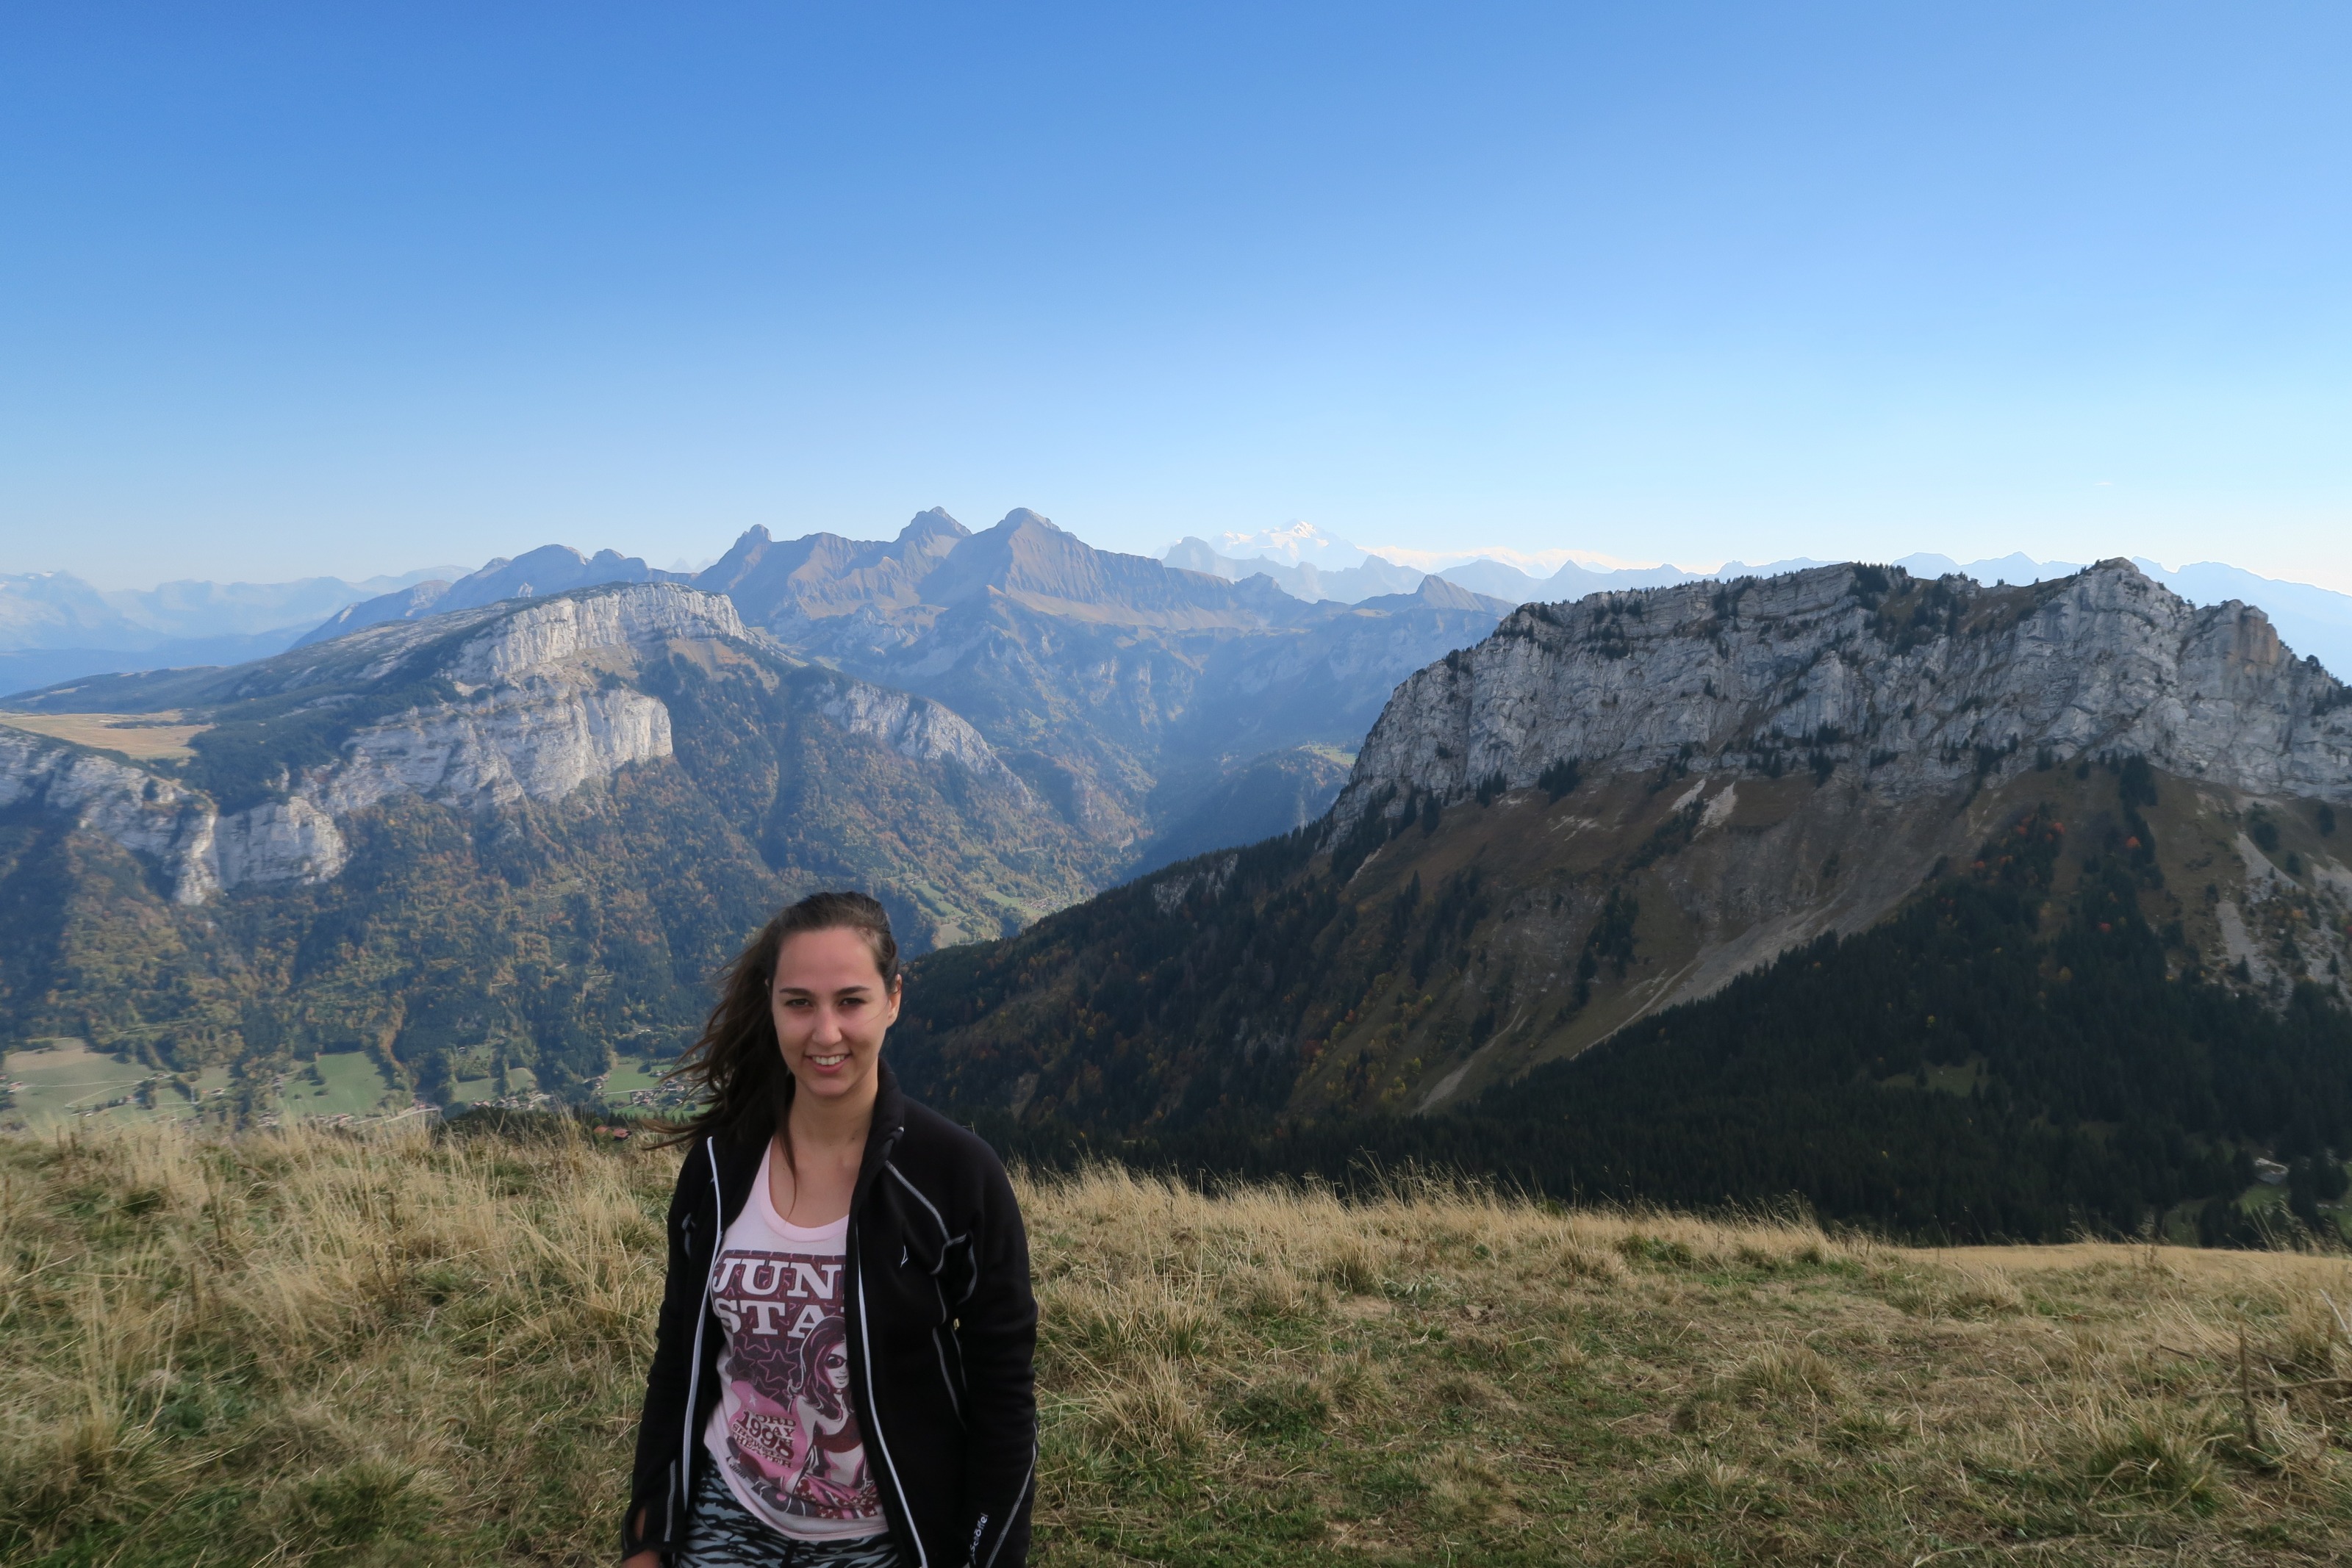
834,1123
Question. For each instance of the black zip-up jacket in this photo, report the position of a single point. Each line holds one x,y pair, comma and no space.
942,1336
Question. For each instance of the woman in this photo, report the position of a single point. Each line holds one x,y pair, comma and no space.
842,1373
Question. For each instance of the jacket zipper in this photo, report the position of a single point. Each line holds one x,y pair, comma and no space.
865,1350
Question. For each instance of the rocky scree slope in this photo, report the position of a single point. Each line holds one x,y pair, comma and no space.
522,831
1605,812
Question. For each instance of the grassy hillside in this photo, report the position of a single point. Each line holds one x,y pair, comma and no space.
314,1348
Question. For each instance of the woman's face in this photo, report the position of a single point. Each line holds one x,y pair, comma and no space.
835,1364
831,1010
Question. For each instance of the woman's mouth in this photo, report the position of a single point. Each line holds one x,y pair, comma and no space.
826,1063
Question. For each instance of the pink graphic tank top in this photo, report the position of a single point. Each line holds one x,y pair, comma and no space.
784,1433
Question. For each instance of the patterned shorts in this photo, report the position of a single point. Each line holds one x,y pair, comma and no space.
722,1534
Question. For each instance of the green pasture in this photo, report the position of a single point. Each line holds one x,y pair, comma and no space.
349,1083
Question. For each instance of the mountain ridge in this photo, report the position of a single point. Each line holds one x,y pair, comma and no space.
2207,689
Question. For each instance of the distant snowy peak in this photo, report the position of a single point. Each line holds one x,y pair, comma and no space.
1299,544
1372,577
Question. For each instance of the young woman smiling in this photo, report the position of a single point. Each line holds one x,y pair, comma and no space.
842,1373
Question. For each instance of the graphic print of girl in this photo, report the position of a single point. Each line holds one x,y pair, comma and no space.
831,1478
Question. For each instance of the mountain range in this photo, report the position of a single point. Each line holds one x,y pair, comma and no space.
1999,909
491,841
1310,564
1993,909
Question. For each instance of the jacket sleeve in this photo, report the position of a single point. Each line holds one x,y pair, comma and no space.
651,1495
996,1331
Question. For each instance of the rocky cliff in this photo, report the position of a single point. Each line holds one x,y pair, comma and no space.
1925,687
528,716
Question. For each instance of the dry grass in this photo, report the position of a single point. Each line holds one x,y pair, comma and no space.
322,1348
147,735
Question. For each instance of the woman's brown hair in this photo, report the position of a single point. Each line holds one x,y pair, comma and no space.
735,1066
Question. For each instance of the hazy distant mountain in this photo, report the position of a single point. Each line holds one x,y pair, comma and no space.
1500,578
1299,544
412,604
30,669
1349,585
1571,582
55,627
56,610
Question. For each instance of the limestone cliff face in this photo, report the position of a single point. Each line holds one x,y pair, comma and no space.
537,737
920,729
201,850
538,712
1924,687
136,810
552,631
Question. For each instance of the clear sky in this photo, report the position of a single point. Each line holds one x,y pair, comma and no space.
327,288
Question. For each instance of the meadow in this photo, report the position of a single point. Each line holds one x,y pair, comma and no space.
398,1346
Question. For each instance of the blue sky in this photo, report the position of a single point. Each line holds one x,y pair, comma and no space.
329,289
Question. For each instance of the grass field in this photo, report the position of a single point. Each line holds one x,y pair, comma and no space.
636,1087
350,1084
64,1077
63,1081
146,736
382,1348
465,1091
631,1077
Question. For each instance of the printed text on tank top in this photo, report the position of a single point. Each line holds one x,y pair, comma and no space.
786,1434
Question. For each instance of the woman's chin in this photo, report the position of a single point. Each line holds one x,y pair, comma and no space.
829,1081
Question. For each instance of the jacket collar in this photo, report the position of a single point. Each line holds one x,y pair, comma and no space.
739,1150
889,1121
